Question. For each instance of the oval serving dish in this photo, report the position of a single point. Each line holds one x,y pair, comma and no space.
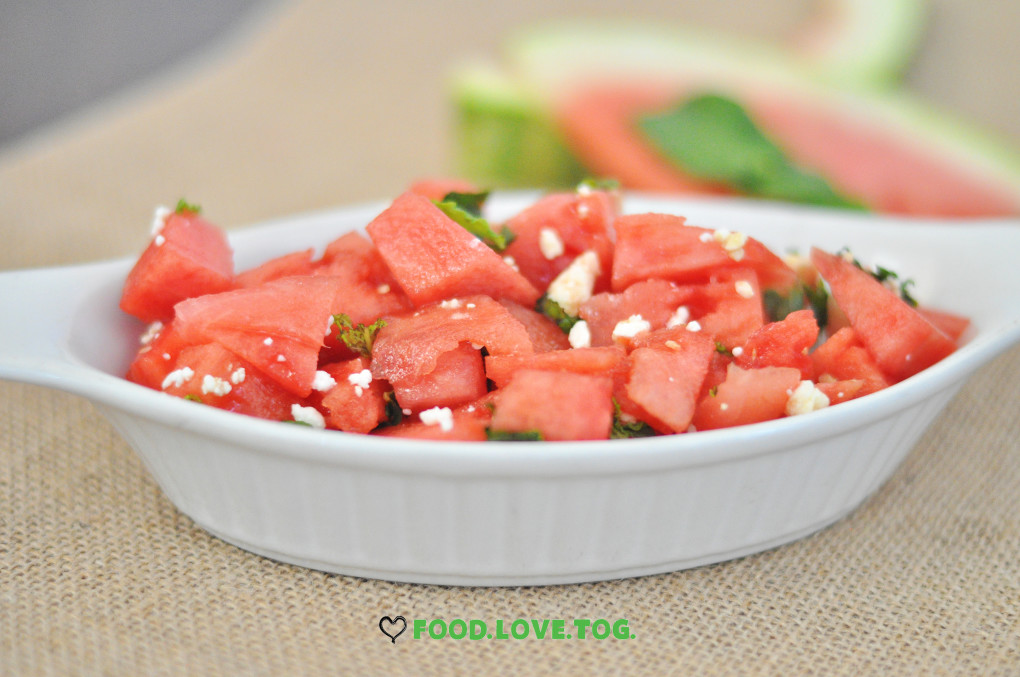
519,513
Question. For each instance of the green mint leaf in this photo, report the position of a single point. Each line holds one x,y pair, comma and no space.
711,137
884,275
626,430
507,436
309,425
185,206
555,312
393,411
465,209
193,398
802,296
357,337
606,185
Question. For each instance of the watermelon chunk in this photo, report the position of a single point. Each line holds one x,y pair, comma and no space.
663,246
544,333
782,344
215,376
433,258
747,396
458,378
654,300
355,404
296,263
278,326
558,405
606,360
156,357
558,228
187,257
665,380
410,346
901,340
842,357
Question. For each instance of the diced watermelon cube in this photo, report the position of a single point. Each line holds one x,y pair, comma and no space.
156,358
544,333
296,263
278,326
604,360
558,228
655,301
665,380
188,257
785,343
747,396
434,258
842,357
558,405
357,402
409,346
458,378
900,339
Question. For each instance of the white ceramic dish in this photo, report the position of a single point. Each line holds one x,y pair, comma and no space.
521,513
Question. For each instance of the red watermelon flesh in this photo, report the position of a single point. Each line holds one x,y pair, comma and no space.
608,360
434,258
188,257
558,405
349,405
296,263
782,344
580,221
222,379
897,336
663,246
654,300
279,326
156,357
439,187
544,333
458,378
747,396
665,380
842,357
409,346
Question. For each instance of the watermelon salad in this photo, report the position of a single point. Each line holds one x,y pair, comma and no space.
568,321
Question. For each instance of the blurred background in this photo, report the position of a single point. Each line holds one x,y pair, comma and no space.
261,108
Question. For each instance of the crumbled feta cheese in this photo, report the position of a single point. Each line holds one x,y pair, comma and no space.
580,335
329,326
575,284
309,415
672,345
680,317
178,377
805,399
470,305
450,303
268,341
631,327
151,332
737,351
583,189
705,237
477,346
723,406
383,289
744,288
509,260
281,358
583,210
159,240
460,316
215,385
159,219
360,380
405,412
732,242
238,376
550,244
440,416
693,325
166,356
322,381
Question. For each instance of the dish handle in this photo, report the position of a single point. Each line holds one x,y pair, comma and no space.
41,308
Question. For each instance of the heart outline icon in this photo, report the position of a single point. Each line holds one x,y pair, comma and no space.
392,622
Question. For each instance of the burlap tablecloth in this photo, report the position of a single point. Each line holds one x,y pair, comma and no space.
318,105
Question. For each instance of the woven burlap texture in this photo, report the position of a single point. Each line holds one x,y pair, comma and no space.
101,575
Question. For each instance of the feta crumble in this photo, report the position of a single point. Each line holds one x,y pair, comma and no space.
575,284
159,240
215,385
805,399
360,380
744,288
322,381
309,415
268,341
737,351
450,303
732,242
151,332
383,289
178,377
693,325
580,335
509,260
159,219
281,358
680,317
631,327
238,376
440,416
550,244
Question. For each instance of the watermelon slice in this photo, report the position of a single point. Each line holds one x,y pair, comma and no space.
355,402
665,380
557,405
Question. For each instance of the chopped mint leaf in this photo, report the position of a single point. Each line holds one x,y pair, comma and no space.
393,412
360,337
885,276
193,398
309,425
555,312
185,206
813,297
624,430
720,347
711,137
506,436
465,209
